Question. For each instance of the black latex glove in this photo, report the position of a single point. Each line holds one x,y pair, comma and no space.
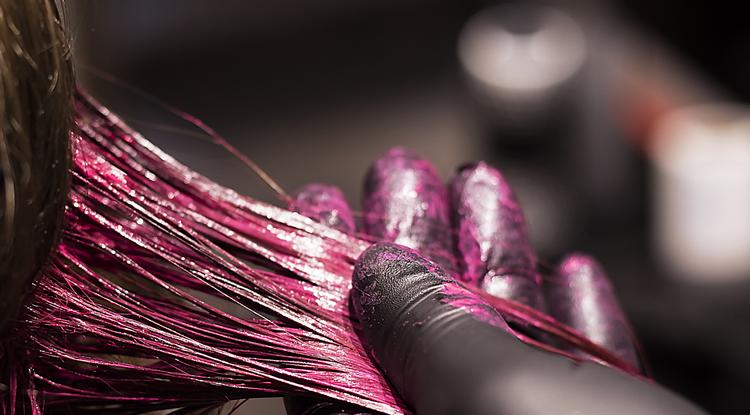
443,348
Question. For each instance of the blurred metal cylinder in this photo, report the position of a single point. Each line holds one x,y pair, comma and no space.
701,192
519,56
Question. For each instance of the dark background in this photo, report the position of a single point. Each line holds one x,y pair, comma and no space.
315,90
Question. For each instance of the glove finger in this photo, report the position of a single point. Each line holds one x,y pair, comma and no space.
448,352
492,244
580,295
405,202
325,204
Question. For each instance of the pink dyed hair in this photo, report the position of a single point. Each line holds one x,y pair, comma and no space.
125,316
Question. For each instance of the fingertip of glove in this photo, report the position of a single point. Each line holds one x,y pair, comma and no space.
390,260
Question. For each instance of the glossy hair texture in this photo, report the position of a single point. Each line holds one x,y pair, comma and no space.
36,87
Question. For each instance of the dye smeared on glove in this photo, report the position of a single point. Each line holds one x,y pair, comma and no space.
580,295
444,358
491,238
406,203
325,204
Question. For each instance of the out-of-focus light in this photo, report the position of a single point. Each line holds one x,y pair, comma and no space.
517,53
702,192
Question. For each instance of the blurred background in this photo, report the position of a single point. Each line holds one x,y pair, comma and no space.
623,126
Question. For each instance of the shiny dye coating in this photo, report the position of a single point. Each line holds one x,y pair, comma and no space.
581,296
402,269
324,204
405,202
490,236
406,303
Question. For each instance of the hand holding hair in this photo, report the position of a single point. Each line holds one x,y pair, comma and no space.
444,349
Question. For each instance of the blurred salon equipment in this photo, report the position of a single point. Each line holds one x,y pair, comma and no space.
518,58
701,192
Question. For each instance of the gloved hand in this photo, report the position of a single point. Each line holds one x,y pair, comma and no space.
444,349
